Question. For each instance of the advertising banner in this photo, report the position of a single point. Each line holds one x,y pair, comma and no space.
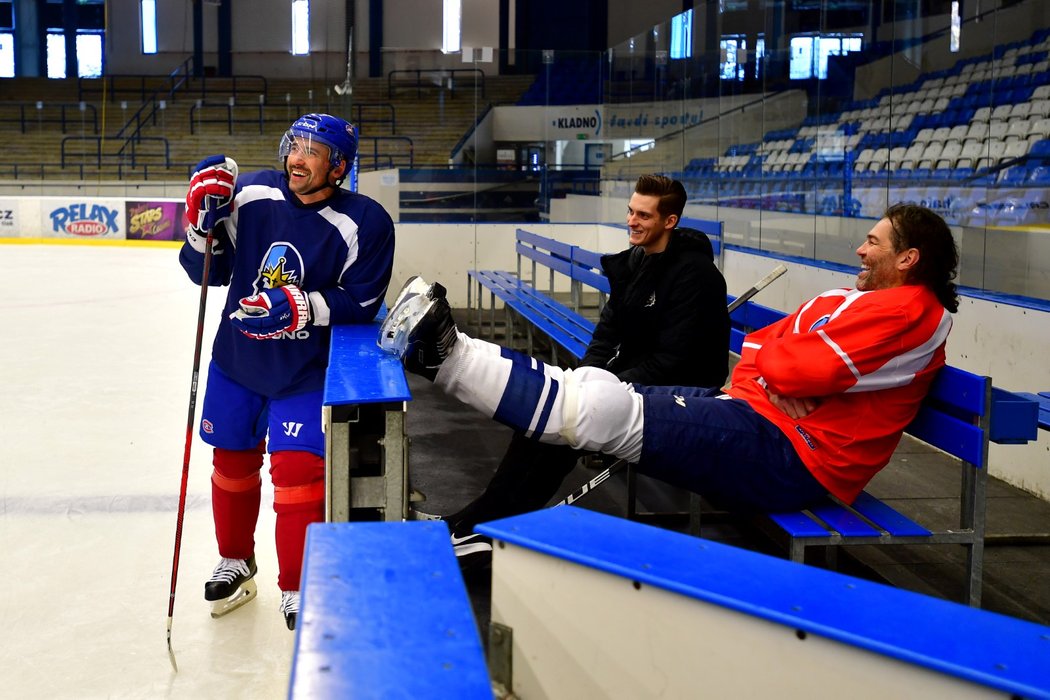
9,217
83,218
155,220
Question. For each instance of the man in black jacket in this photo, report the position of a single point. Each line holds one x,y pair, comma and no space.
665,324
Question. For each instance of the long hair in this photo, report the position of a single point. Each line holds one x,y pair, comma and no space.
671,193
915,226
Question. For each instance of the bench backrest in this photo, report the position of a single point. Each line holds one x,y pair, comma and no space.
552,254
714,230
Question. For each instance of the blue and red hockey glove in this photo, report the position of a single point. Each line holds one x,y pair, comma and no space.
210,197
272,312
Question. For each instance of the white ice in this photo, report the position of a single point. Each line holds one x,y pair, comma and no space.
96,366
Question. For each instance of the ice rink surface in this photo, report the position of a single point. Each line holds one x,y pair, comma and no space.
97,363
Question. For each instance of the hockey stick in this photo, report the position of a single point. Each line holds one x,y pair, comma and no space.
189,439
759,286
620,464
590,485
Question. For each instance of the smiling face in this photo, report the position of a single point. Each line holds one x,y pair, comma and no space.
882,267
310,176
649,228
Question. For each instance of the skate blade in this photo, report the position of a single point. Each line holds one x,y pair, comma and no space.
244,595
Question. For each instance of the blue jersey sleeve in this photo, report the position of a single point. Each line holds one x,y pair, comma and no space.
221,262
366,275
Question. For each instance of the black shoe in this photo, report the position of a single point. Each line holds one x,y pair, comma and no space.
419,328
472,550
229,575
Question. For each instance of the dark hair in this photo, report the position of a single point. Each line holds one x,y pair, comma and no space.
671,193
915,226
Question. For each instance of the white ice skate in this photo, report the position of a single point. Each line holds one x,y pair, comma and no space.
411,303
290,607
231,585
419,328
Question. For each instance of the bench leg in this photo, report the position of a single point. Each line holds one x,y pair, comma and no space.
975,572
470,306
694,514
492,317
632,492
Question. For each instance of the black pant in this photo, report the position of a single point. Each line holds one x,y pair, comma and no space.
528,476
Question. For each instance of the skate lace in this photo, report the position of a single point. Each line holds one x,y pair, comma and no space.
228,570
289,602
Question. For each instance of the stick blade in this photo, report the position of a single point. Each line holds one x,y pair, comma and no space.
171,652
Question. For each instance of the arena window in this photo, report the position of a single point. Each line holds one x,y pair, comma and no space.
300,27
148,25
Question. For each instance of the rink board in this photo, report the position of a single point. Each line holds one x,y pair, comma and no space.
603,607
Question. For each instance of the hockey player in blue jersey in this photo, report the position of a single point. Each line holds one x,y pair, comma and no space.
299,253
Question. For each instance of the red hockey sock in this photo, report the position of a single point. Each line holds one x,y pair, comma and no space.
235,495
298,500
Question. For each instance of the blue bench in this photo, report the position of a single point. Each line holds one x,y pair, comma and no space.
960,416
640,611
1043,399
384,614
363,414
563,324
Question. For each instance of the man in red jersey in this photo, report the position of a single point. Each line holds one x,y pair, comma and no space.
816,405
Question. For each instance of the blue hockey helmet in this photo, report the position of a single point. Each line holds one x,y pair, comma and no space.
338,134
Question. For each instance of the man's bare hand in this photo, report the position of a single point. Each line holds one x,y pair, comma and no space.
794,407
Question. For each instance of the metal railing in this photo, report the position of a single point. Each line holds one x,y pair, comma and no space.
428,79
259,115
391,157
27,114
90,152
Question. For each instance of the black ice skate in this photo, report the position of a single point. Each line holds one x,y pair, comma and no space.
231,585
419,328
290,607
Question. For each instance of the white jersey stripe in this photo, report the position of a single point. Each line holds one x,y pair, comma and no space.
841,353
902,369
347,228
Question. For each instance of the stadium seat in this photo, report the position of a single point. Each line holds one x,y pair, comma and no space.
1015,149
952,150
1017,130
977,130
971,152
1039,176
1020,109
924,135
997,130
996,150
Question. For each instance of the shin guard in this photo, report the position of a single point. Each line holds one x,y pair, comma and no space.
298,500
235,495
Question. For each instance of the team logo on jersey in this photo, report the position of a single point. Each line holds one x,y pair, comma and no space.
207,427
281,265
652,300
679,400
291,429
822,321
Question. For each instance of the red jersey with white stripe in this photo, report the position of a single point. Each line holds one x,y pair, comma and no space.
868,358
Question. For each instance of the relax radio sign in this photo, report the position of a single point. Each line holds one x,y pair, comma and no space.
85,219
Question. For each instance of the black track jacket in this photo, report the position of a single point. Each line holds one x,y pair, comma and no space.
665,323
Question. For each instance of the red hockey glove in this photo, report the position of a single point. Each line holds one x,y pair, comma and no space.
210,197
